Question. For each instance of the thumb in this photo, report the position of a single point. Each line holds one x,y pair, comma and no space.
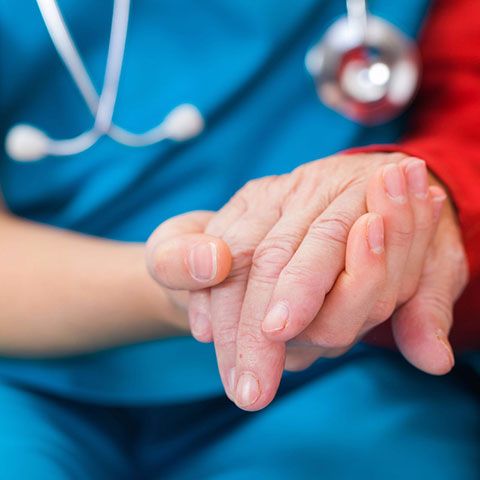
421,326
181,257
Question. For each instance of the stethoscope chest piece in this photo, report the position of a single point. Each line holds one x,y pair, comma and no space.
365,68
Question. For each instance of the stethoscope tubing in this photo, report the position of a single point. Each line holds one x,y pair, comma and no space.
101,106
27,143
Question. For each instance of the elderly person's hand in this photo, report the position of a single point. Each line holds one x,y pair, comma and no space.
296,278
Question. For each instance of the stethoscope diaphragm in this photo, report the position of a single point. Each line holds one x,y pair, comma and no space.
367,70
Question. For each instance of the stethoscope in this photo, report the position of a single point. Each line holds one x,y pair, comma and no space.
363,67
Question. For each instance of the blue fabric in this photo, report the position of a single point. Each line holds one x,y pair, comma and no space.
242,64
368,415
156,410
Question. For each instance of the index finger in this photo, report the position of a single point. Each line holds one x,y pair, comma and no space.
295,298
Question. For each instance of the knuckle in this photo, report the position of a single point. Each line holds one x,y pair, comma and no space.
406,293
266,191
251,344
225,337
402,233
384,308
256,185
332,229
248,339
272,255
247,196
300,358
337,340
367,284
299,274
239,201
379,282
395,157
295,363
242,252
458,264
249,187
409,285
440,302
423,223
401,237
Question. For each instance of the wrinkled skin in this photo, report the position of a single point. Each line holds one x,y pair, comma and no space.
301,252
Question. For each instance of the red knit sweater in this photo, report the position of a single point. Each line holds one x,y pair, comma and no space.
445,132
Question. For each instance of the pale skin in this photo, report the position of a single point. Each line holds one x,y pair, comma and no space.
64,293
280,230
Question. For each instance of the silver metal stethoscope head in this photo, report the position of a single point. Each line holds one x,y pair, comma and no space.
364,67
28,143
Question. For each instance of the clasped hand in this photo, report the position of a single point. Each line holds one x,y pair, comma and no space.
303,265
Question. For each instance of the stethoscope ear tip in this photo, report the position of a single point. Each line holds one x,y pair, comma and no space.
183,123
25,143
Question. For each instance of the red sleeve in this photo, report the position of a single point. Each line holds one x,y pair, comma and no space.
445,132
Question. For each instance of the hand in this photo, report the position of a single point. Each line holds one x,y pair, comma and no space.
421,325
279,230
424,353
183,259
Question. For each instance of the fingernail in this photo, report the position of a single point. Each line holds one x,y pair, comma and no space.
438,198
276,318
202,262
442,338
417,179
248,390
375,234
200,324
394,183
231,381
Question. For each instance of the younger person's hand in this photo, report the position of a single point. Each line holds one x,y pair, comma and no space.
183,259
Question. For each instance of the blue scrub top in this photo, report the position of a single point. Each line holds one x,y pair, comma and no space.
242,63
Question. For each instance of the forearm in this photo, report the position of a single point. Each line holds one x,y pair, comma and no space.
63,293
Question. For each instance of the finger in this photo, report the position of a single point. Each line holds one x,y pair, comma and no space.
305,279
438,198
348,305
416,175
271,255
421,326
313,269
181,257
242,237
387,196
227,298
199,312
301,357
199,316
